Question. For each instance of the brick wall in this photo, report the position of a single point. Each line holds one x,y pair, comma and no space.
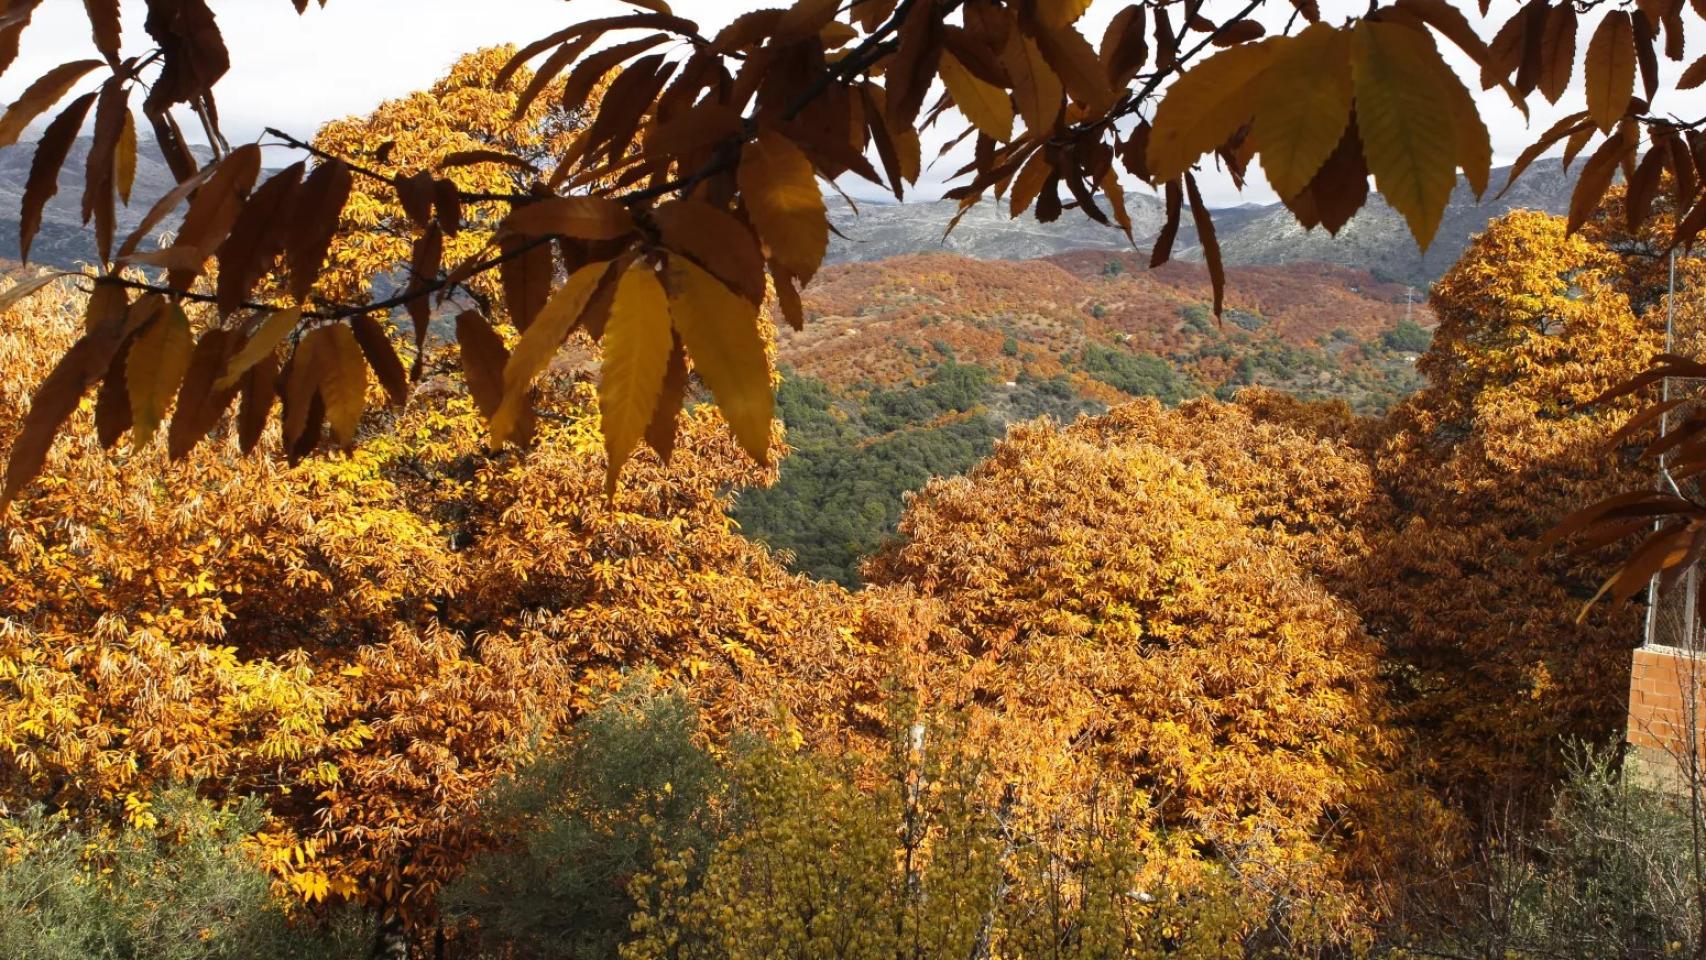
1658,712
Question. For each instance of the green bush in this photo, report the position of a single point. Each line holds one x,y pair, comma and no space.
1140,375
175,885
1613,874
630,786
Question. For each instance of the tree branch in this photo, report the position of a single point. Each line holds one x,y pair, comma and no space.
371,174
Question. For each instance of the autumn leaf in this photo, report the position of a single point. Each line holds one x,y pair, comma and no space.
1205,106
39,96
266,338
43,180
539,343
1610,69
158,360
583,218
720,330
1303,103
344,388
636,354
782,196
717,240
984,104
1407,129
59,393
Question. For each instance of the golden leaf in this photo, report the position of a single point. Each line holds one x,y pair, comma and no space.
720,330
636,342
782,196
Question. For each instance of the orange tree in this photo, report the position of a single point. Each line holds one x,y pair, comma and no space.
1111,621
699,174
1503,443
367,643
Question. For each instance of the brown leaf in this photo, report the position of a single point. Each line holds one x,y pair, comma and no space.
58,396
582,218
214,209
256,238
1643,185
104,20
1075,62
1558,51
381,356
782,197
39,96
526,279
1210,244
200,404
1125,45
483,360
414,195
112,402
660,433
1693,76
124,161
718,240
1163,247
1597,174
259,389
99,188
192,49
1610,69
912,68
319,208
447,206
424,263
788,297
43,181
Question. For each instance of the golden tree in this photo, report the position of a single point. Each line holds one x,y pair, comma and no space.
1504,443
368,643
1111,620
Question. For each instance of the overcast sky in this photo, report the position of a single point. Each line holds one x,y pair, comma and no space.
295,72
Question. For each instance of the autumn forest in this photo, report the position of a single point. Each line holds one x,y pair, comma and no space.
490,529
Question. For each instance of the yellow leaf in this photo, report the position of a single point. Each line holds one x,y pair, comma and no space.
984,104
637,342
584,218
1036,87
720,330
539,343
1610,69
782,196
124,161
266,338
158,360
1407,128
344,388
1474,144
1303,104
1205,106
1059,13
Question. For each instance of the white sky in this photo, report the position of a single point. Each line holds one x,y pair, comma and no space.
295,72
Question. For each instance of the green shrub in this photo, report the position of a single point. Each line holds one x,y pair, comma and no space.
175,885
1613,874
629,787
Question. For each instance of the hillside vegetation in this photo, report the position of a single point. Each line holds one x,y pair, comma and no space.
1235,654
913,367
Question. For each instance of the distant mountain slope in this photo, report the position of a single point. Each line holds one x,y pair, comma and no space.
1311,328
63,239
1376,240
